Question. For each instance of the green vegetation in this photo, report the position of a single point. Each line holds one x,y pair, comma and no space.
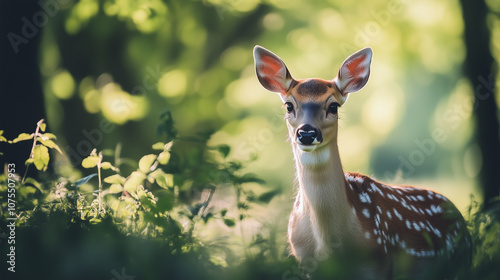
161,157
149,224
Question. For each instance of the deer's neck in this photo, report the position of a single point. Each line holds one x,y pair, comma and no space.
323,195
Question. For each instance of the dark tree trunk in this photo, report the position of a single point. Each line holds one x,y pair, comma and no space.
481,71
21,105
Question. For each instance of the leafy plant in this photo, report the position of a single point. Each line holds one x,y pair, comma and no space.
42,142
159,204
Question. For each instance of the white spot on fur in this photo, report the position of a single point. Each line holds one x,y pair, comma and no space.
436,209
349,177
422,225
366,213
377,220
416,226
397,214
365,198
389,214
374,186
408,224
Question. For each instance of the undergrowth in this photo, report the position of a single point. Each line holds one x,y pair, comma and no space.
141,224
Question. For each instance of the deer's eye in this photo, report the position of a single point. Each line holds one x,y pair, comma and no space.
333,108
289,107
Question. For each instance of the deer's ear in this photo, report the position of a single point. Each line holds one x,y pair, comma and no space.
354,72
271,71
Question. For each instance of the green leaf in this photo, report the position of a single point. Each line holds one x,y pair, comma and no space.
115,179
195,209
84,180
2,138
229,222
49,136
168,146
22,137
115,188
249,178
43,126
133,181
224,150
108,165
268,196
163,179
164,157
49,144
207,217
90,162
167,126
34,183
158,146
223,212
145,163
41,157
242,205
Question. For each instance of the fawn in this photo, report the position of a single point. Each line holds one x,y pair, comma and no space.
404,230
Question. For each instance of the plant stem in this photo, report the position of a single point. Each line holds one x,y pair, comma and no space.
33,147
100,183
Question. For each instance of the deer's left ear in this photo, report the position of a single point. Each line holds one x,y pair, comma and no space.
272,71
354,72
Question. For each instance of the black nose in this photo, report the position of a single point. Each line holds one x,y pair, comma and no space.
306,134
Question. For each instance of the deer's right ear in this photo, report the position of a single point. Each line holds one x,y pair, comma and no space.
271,71
354,72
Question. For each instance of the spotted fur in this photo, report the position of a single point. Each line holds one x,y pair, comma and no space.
415,221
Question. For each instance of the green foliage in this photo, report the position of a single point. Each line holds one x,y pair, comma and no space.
157,204
154,210
42,142
484,226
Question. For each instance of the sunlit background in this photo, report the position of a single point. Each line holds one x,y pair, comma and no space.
122,63
128,61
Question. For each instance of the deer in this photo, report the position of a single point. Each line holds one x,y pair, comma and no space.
404,230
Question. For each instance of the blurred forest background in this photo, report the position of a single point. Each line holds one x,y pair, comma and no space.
122,75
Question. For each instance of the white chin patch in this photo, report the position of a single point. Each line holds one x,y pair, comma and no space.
307,148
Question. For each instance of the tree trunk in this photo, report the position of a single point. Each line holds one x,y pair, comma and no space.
480,70
21,102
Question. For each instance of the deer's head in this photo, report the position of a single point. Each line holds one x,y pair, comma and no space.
312,104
